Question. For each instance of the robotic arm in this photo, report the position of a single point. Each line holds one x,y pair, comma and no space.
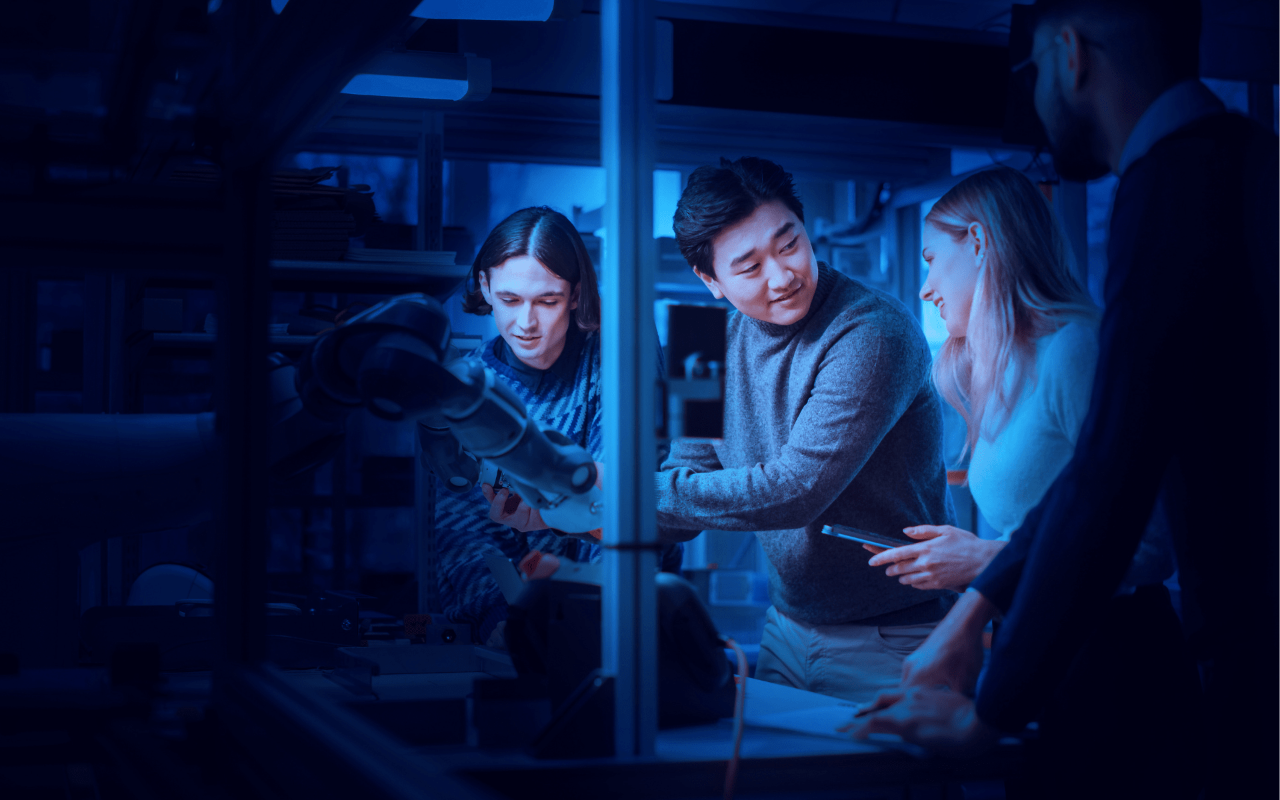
391,359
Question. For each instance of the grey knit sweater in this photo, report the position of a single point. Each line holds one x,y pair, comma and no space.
833,419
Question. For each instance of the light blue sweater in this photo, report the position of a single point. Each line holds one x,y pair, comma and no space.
1010,472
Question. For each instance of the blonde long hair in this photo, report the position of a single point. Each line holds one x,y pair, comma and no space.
1026,288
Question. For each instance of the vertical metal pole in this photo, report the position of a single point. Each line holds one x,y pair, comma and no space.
125,548
338,515
241,373
97,334
629,634
17,339
430,231
115,377
424,518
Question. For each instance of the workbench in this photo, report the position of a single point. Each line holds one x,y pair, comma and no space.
778,759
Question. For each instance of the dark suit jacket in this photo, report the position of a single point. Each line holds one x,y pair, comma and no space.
1184,410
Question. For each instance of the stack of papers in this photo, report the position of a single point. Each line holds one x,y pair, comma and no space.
311,234
312,221
783,708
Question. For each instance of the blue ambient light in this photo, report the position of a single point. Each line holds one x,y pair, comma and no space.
525,10
407,86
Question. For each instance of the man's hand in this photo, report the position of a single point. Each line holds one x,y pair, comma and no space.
509,509
946,558
952,655
939,719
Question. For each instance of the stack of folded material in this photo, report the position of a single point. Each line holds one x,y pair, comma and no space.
312,222
310,234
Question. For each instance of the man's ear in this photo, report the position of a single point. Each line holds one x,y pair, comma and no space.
1073,57
573,297
484,287
711,284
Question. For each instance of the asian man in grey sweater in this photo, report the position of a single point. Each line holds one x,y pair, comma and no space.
830,417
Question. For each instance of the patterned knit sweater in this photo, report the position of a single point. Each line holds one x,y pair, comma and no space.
464,532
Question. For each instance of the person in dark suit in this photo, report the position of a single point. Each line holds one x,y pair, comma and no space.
1183,418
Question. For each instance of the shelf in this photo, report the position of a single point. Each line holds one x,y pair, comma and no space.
192,341
197,341
437,280
347,277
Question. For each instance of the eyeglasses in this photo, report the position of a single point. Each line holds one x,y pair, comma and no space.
1022,70
1030,61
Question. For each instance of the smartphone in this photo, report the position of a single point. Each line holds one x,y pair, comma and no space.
866,537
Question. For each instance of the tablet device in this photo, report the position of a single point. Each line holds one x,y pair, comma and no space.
505,573
866,537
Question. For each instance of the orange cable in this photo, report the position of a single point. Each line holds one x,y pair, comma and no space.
739,718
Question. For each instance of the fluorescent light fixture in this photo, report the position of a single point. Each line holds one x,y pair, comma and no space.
518,10
406,86
423,76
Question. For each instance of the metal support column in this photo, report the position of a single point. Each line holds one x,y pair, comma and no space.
429,235
629,617
430,231
424,523
17,339
244,303
104,307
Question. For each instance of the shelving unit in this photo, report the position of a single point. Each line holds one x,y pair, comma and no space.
324,509
106,362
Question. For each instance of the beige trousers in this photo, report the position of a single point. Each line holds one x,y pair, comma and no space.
851,662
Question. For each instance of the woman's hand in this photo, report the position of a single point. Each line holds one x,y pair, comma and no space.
945,558
509,509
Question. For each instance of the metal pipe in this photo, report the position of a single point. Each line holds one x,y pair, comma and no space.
629,634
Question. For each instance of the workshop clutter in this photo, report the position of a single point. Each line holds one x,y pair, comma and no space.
312,221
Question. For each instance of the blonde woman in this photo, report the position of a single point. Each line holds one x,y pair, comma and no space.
1018,365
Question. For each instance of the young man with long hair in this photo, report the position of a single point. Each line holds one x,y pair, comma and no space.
534,275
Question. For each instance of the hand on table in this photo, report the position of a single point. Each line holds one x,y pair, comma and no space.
939,719
946,557
509,509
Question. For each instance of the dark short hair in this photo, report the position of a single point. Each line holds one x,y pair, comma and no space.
546,235
1169,29
718,197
